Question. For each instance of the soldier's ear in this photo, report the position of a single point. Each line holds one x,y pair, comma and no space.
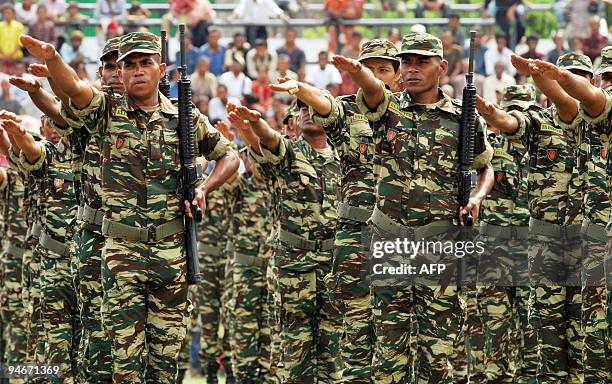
443,67
162,69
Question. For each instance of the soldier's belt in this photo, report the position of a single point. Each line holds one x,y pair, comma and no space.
151,233
346,211
544,228
300,242
34,231
53,245
504,233
255,261
390,226
210,249
594,231
15,251
90,216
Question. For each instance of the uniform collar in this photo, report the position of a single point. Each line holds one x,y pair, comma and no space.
444,102
312,154
165,105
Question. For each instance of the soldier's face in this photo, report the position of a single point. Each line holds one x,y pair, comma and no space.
382,69
306,124
422,73
109,73
141,73
606,80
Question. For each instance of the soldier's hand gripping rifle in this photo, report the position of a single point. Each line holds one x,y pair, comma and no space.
190,173
164,84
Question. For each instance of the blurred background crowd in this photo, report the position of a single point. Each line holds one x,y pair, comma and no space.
237,47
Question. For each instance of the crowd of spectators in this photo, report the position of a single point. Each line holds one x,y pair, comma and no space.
241,70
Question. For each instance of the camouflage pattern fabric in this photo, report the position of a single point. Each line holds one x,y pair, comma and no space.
58,297
139,182
12,203
249,228
411,139
606,61
555,192
138,42
350,133
420,44
378,48
212,239
575,60
307,182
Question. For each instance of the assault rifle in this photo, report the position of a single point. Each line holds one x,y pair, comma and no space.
164,84
190,173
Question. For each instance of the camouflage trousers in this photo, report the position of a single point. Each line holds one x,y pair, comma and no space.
59,314
310,325
596,283
349,288
212,344
555,308
31,295
14,318
270,352
144,308
248,331
227,307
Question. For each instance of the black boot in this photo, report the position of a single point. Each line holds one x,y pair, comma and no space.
229,375
181,376
211,373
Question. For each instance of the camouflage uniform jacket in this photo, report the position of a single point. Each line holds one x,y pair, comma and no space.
212,231
12,197
507,203
140,160
308,194
595,138
250,222
555,191
350,133
54,170
416,152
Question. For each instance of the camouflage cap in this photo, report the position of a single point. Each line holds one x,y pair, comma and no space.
379,48
421,44
521,96
141,42
111,46
293,110
575,60
606,61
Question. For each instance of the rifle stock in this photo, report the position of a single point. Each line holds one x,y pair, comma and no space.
190,173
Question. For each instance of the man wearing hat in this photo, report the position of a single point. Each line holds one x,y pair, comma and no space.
555,201
143,260
305,172
504,228
415,135
592,122
351,135
72,53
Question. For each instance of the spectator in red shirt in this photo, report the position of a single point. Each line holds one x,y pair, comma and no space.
532,45
260,88
595,41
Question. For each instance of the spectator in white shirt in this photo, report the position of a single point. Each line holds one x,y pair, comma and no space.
259,57
203,83
502,52
499,80
323,74
217,105
55,8
237,83
254,12
26,12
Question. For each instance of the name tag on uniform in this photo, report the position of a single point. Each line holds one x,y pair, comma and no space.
503,154
120,113
546,128
358,117
395,108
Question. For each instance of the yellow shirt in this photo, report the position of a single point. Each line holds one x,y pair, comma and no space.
10,33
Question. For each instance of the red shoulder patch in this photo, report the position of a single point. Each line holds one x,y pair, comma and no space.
604,153
119,142
391,134
551,154
500,177
363,148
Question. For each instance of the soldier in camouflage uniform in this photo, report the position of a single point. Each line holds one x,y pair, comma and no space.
15,228
51,163
248,201
501,339
594,127
555,192
349,131
143,262
306,172
415,157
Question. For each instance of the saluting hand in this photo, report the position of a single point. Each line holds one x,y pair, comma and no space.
483,107
37,48
12,127
38,70
28,85
346,64
521,64
225,130
286,84
546,70
243,127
